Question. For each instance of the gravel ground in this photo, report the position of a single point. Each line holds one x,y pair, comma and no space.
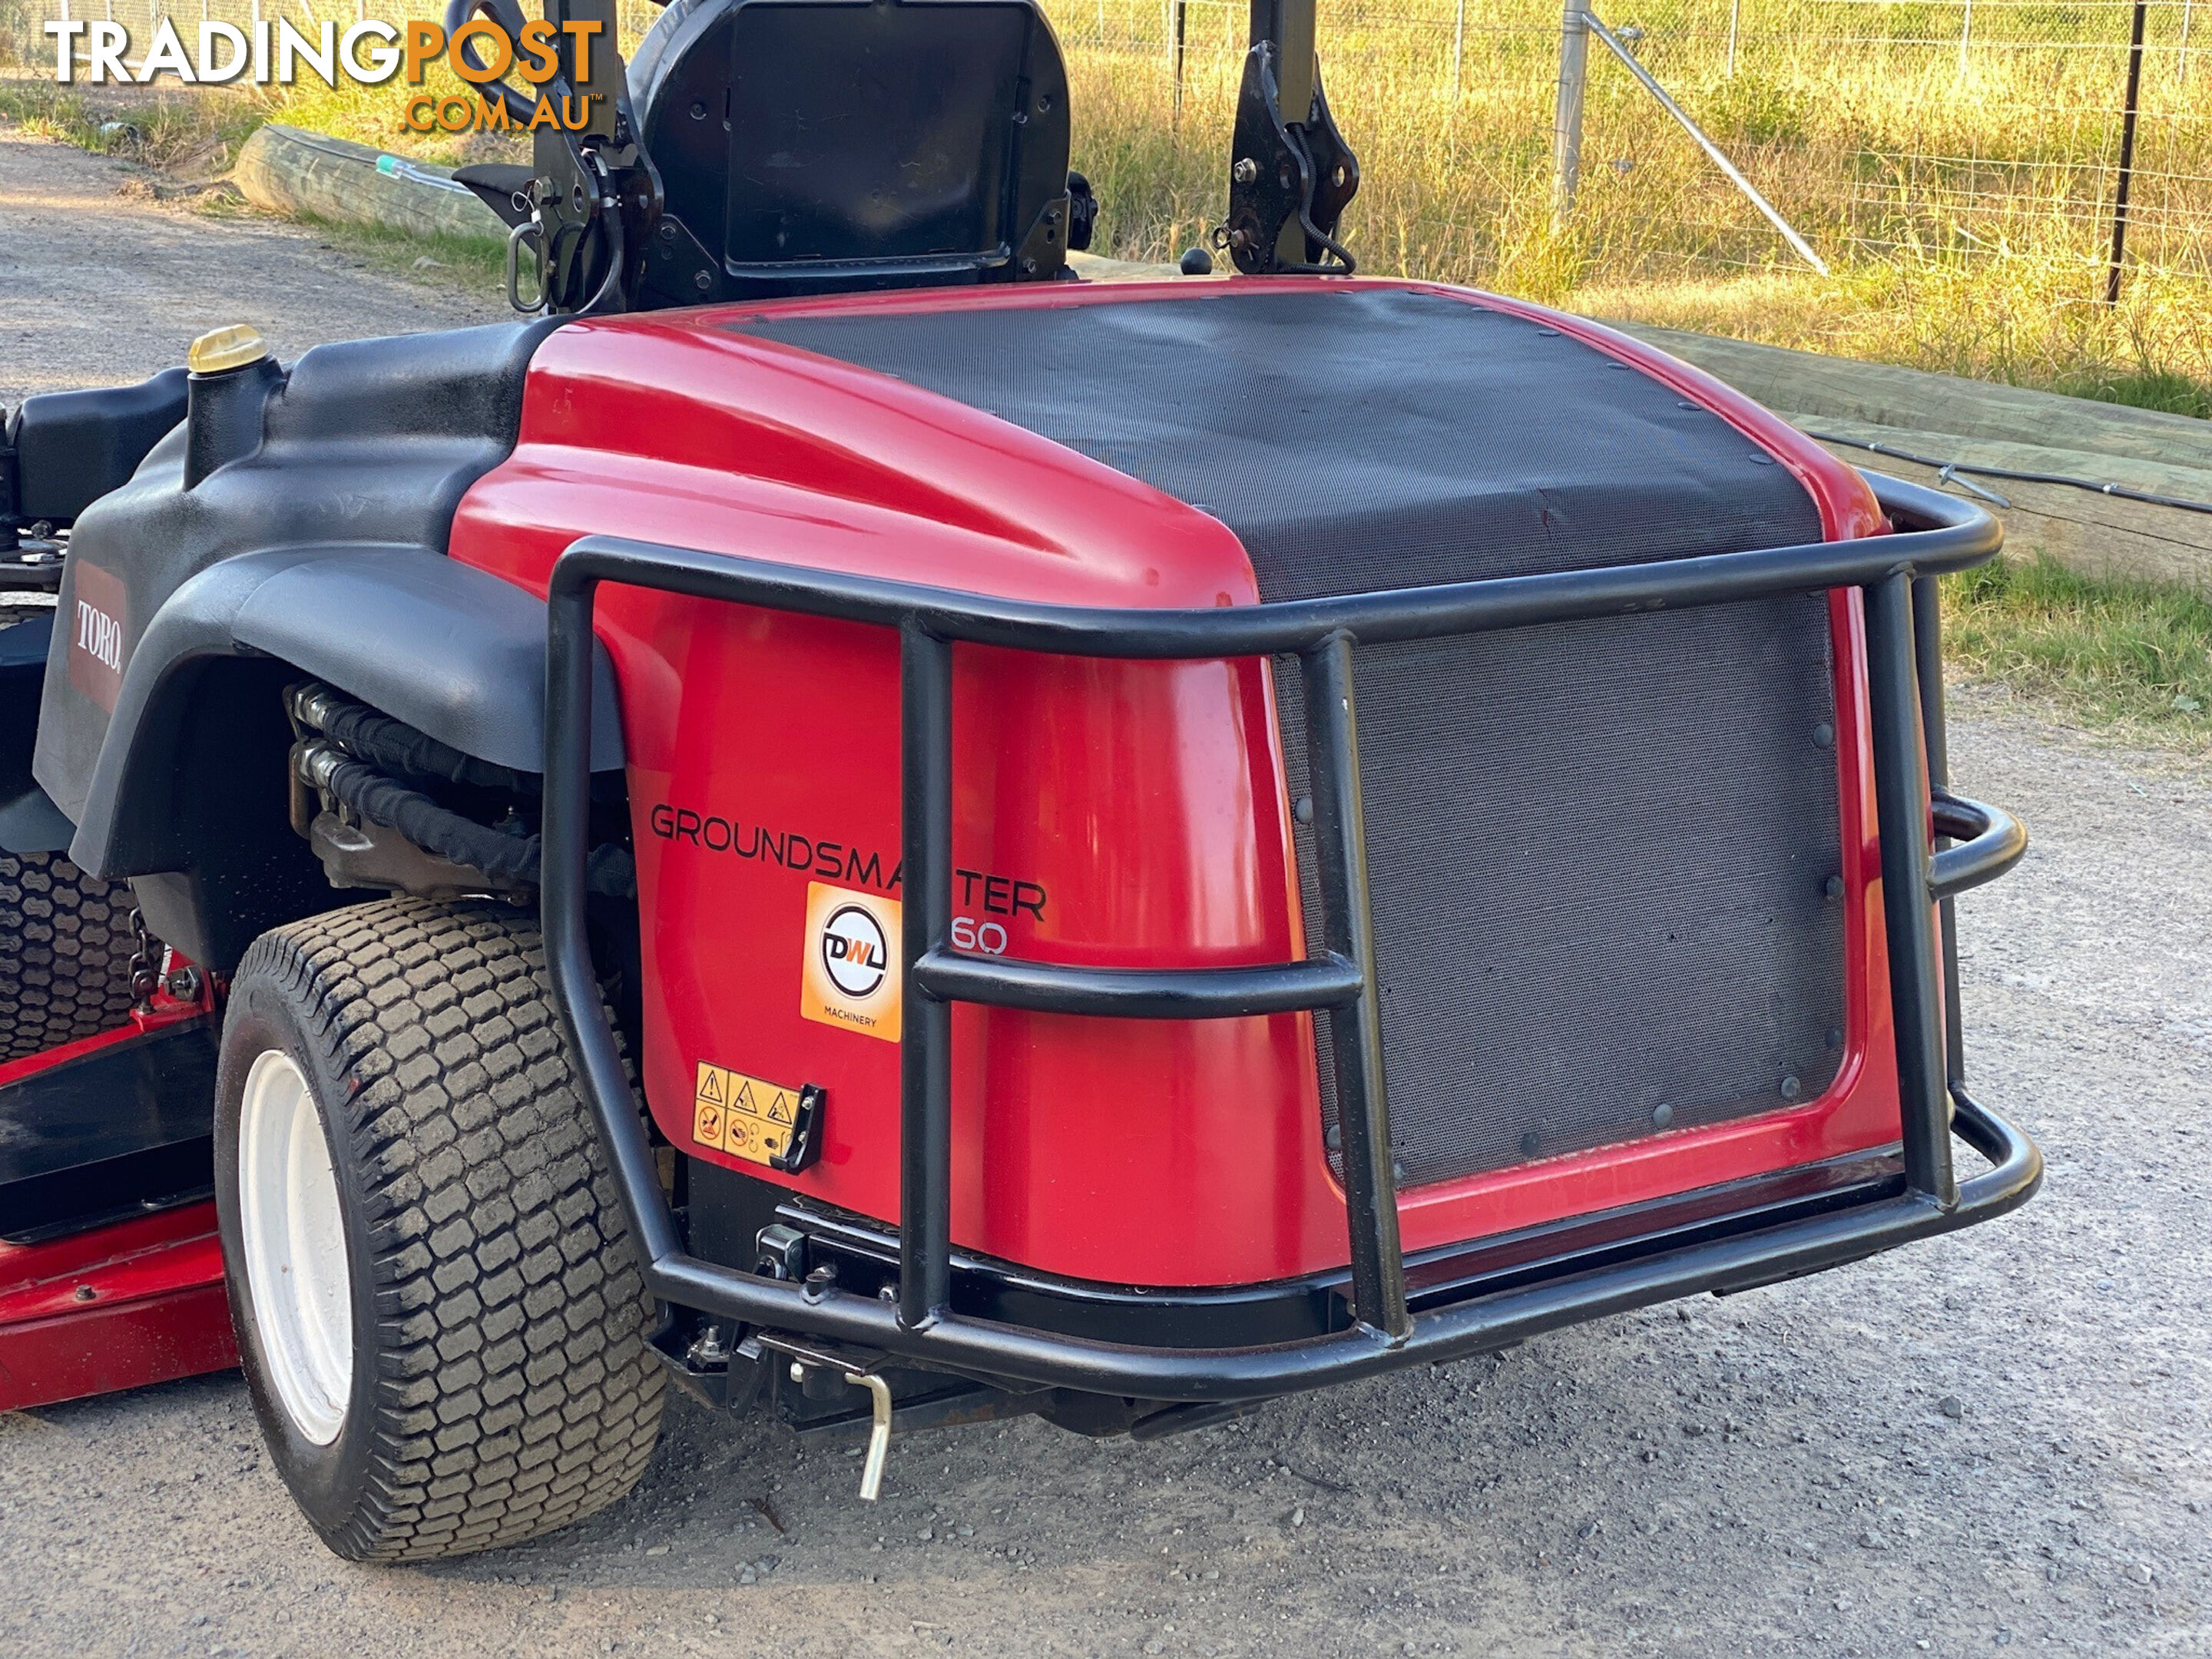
97,286
1994,1441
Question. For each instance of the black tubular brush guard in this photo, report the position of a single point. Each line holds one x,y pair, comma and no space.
1936,534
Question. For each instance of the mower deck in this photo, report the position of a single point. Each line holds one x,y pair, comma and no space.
111,1275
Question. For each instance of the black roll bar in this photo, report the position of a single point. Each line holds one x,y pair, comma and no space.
1936,534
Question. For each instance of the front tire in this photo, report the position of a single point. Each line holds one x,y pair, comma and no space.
439,1308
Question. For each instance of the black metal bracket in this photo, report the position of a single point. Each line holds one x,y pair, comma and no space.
594,196
1082,212
28,568
1291,172
805,1133
1936,534
11,522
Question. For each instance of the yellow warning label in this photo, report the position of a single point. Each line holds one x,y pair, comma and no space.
745,1116
706,1123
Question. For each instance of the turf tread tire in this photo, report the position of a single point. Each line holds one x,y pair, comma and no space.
515,1389
65,948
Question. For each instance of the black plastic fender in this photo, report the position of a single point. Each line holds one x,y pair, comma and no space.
446,647
29,820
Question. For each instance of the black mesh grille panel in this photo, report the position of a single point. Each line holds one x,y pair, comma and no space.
1598,851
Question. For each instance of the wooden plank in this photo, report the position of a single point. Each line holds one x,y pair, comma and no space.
2097,535
1837,388
293,172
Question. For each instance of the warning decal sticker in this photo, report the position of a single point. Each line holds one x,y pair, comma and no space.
747,1117
850,975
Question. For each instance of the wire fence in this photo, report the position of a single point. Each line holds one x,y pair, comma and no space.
1877,127
1951,129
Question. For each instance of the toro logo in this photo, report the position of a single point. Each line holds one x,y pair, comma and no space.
849,976
95,624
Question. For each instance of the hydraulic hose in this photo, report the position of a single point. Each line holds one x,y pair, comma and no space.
609,870
397,746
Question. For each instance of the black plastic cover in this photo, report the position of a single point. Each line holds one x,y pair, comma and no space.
108,1136
369,443
319,552
29,823
72,447
471,673
1598,850
829,144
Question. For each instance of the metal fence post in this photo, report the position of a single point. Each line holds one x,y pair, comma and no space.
1965,34
1180,12
2187,6
1567,118
2127,158
1459,48
1736,17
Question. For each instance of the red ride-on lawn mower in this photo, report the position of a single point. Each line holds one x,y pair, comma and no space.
899,838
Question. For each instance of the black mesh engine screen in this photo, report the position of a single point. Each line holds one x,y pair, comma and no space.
1599,850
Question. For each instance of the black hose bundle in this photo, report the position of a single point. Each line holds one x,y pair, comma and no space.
609,870
398,747
359,750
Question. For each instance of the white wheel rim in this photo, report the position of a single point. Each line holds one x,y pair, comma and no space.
295,1240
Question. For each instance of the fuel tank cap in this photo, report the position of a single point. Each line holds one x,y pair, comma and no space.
224,349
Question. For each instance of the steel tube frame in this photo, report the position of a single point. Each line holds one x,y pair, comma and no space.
1927,660
1325,633
925,1033
1903,810
1991,840
1371,1186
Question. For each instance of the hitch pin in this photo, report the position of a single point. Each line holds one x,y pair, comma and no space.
879,1403
879,1434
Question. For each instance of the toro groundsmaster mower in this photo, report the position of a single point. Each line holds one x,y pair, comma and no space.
846,819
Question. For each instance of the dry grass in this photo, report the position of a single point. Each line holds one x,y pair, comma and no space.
1989,263
191,133
1964,214
1460,189
2023,322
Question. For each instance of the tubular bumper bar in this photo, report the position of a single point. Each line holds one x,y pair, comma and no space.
1994,840
1937,534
